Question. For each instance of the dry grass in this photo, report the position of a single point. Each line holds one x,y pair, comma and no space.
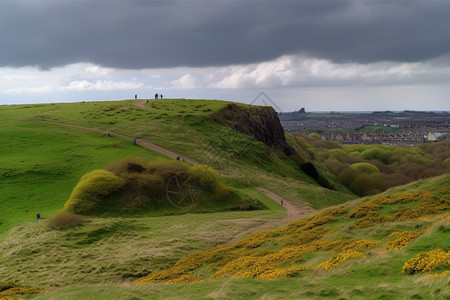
65,219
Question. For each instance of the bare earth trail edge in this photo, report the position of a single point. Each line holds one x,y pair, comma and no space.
292,212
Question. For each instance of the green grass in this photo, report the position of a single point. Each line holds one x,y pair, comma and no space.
41,163
186,127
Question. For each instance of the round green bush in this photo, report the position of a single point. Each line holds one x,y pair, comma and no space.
446,163
365,168
314,136
92,189
376,153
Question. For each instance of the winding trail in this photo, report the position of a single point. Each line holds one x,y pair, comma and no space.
292,211
142,142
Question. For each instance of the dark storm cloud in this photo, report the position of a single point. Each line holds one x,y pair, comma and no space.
153,34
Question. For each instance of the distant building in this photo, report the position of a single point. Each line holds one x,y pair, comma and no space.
434,137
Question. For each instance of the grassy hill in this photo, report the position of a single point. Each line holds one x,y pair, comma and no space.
37,147
44,155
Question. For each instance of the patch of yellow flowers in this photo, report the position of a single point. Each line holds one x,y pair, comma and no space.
427,261
368,215
404,238
337,259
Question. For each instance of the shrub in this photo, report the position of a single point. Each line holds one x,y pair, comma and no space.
446,163
336,260
65,219
365,168
363,210
404,238
203,176
314,136
427,261
377,153
91,191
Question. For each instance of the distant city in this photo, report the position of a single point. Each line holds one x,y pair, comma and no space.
406,128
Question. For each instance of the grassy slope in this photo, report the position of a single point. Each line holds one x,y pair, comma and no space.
51,159
40,164
377,276
184,126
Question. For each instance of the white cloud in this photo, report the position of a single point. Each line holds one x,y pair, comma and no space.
97,70
187,81
102,85
289,72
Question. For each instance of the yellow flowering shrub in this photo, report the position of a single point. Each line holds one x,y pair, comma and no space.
404,238
443,274
301,237
254,240
427,261
336,260
367,212
360,244
363,209
21,291
281,273
371,219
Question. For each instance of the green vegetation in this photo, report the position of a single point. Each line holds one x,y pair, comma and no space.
330,241
132,186
129,233
371,169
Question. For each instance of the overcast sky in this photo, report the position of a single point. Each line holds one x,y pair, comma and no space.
322,55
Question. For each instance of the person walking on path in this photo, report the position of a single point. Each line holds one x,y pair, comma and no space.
134,141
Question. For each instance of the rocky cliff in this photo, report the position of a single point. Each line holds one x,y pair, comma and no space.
264,125
260,122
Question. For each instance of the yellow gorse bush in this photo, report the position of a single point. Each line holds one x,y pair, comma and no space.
427,261
21,291
336,260
368,215
443,274
248,258
404,238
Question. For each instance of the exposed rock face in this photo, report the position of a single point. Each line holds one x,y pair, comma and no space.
260,122
264,125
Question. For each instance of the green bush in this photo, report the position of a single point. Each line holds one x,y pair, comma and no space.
377,153
132,185
92,190
365,168
446,163
314,136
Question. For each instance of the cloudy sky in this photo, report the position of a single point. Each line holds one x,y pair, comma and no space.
322,55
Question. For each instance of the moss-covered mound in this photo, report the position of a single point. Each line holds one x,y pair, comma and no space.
131,186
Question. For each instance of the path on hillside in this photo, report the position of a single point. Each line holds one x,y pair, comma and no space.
293,212
142,105
142,142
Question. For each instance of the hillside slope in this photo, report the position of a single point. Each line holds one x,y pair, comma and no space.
381,242
187,128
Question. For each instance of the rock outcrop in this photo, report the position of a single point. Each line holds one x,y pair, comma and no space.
260,122
264,125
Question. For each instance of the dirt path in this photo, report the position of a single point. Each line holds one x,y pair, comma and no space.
142,105
142,142
292,213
